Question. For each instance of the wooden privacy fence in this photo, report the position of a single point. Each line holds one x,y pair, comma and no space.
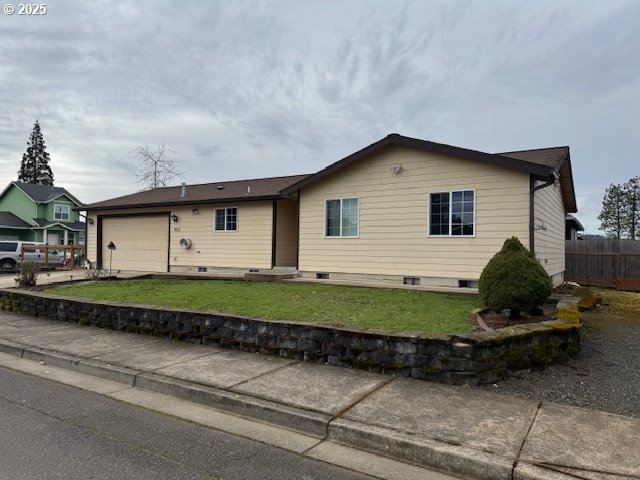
604,263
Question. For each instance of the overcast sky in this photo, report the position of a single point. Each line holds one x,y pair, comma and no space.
251,89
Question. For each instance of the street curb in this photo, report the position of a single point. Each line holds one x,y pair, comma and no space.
526,471
304,421
12,348
113,373
429,453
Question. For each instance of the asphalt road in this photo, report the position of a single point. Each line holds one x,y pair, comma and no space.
50,431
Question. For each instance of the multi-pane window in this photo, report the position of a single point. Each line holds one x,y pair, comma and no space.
342,217
226,219
61,212
452,213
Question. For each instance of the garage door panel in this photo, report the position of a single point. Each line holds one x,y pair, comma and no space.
142,242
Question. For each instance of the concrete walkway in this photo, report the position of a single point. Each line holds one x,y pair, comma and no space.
7,280
459,431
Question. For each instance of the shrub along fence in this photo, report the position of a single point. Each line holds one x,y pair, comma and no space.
458,359
604,263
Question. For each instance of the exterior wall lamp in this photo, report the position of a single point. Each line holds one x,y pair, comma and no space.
174,217
90,221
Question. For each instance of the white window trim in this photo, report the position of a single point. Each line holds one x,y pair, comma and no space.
215,213
61,205
450,192
324,225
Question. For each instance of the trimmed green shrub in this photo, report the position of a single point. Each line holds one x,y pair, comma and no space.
513,279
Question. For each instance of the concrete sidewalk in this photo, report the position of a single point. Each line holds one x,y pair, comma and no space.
460,431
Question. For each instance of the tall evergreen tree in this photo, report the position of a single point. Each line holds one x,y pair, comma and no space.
613,214
35,161
632,207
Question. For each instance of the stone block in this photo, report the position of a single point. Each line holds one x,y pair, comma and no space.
287,342
309,345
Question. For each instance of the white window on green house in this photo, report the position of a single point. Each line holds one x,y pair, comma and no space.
226,219
342,217
61,212
452,214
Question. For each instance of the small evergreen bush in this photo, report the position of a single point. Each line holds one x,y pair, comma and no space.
513,279
27,274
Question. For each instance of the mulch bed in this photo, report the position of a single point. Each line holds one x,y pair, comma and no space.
488,320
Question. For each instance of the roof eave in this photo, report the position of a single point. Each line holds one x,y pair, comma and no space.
571,206
89,208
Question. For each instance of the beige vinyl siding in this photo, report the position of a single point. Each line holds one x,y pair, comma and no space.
286,233
248,247
393,219
549,241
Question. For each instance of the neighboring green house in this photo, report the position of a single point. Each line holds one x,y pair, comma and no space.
40,213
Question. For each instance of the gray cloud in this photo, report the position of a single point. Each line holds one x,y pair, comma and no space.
275,88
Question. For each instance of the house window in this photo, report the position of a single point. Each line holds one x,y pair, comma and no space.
226,219
452,214
342,217
61,212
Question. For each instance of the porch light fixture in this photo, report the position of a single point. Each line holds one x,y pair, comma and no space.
195,211
174,217
90,221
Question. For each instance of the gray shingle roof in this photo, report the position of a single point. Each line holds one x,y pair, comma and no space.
44,193
551,157
240,190
9,220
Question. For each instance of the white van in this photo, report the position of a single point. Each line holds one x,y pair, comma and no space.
11,254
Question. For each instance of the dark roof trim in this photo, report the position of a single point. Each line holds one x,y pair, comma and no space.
576,223
176,204
441,148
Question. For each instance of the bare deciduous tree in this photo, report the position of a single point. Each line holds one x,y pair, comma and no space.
156,168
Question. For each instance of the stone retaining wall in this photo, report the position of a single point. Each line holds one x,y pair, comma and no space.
457,359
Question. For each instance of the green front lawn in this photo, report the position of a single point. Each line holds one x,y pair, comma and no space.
362,308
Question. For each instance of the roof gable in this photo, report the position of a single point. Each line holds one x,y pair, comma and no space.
41,193
528,166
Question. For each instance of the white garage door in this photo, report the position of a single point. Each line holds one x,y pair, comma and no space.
142,243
